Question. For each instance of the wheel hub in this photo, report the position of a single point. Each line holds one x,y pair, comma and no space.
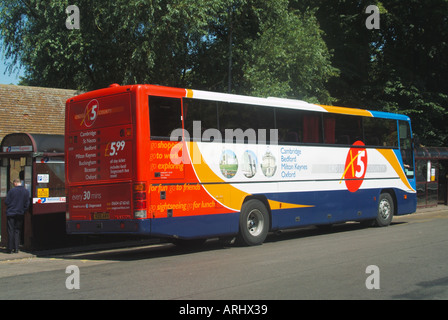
255,222
385,209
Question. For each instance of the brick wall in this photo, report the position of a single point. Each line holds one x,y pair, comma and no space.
32,109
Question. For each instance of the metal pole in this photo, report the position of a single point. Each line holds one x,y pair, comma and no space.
230,51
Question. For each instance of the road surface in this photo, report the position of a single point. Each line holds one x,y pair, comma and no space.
407,260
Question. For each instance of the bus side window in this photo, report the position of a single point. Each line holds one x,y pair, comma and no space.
342,129
298,126
164,116
204,115
380,132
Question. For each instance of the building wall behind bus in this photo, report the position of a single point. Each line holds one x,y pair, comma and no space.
32,109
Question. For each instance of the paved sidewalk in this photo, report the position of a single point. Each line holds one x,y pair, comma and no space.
4,256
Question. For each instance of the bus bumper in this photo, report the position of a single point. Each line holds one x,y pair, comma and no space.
176,227
108,226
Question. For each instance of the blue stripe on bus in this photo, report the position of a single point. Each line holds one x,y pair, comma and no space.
329,207
380,114
203,226
334,206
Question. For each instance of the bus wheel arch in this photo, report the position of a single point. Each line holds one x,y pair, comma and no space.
394,198
263,200
387,208
254,222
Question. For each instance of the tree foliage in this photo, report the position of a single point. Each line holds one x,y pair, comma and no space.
316,50
214,44
409,74
401,67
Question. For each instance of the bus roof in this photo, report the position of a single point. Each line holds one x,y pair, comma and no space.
234,98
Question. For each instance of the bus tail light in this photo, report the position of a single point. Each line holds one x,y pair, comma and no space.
139,205
139,197
139,186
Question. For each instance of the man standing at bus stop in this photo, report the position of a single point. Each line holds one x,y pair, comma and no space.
17,201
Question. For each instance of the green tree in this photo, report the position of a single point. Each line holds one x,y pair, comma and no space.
290,59
349,41
241,46
119,41
400,67
409,72
265,48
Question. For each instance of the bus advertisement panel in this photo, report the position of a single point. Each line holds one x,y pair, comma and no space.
99,150
188,164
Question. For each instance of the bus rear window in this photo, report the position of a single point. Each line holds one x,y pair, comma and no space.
164,116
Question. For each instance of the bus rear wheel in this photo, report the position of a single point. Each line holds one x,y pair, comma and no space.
385,210
254,223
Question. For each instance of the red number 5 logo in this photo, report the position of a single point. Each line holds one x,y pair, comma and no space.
91,113
355,167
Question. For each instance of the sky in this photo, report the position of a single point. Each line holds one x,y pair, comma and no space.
5,78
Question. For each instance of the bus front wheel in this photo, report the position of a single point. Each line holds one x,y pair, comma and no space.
385,210
254,223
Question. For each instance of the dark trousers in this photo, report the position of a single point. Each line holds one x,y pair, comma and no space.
15,224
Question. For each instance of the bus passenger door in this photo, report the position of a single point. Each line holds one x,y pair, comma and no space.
407,151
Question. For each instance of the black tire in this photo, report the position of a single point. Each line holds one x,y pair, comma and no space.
385,210
254,223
